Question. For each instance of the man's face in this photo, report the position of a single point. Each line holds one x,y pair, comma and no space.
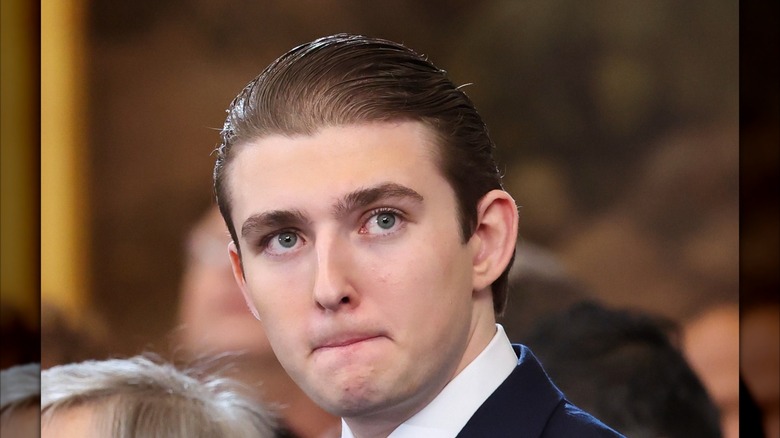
352,258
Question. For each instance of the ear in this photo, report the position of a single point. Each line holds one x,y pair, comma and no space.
495,237
238,274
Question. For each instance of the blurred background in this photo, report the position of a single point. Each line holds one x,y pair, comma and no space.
617,126
616,123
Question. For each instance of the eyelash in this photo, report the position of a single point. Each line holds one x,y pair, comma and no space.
377,211
266,240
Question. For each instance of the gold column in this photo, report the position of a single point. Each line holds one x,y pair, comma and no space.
18,159
64,163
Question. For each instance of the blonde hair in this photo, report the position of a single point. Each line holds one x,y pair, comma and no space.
145,397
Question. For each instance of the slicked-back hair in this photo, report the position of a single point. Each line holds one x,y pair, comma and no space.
146,397
348,79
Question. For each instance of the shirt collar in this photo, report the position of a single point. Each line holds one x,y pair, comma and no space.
446,415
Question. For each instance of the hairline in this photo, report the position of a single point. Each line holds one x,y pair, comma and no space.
434,143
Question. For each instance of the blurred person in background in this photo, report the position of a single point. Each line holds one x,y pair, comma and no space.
214,321
710,342
66,339
539,285
20,391
143,397
627,368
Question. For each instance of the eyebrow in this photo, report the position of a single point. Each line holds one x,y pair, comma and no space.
362,198
272,220
357,199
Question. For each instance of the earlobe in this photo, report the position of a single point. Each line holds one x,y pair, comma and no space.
238,274
495,237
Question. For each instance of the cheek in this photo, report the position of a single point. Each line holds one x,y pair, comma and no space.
440,263
281,297
426,277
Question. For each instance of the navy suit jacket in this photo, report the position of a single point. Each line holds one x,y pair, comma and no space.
528,405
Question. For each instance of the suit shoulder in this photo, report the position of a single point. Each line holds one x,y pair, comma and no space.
568,420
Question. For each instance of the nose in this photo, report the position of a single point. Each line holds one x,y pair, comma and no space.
333,287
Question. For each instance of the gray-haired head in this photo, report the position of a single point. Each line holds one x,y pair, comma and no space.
145,397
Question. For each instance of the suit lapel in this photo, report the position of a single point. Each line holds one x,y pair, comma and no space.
520,407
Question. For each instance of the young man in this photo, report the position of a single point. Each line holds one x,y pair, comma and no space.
372,238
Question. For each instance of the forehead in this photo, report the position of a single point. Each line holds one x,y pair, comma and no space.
276,170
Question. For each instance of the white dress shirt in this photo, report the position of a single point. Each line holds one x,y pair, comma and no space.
446,415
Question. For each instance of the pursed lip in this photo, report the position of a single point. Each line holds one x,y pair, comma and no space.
344,340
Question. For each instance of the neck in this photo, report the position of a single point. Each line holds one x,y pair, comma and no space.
482,331
369,427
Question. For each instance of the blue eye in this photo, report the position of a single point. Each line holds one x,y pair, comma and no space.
282,243
287,239
382,223
385,220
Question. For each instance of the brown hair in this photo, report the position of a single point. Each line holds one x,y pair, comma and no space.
347,79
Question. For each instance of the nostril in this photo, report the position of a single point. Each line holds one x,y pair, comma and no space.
344,300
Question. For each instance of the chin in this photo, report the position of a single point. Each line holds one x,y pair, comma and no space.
349,408
353,400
